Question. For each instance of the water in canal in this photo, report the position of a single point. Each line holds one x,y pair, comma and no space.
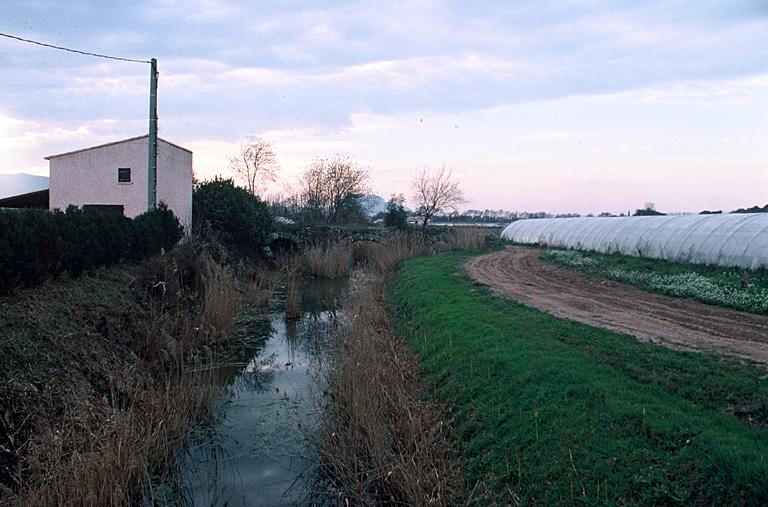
255,453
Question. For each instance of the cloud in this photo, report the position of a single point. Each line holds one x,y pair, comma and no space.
25,143
487,85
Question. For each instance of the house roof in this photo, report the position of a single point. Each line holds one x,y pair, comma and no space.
49,157
37,199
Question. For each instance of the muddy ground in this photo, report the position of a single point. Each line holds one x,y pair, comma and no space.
678,323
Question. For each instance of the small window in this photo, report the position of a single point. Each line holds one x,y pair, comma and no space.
124,175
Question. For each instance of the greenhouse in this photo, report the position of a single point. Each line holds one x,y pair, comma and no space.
727,240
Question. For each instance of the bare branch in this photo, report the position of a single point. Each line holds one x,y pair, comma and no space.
435,193
255,164
328,184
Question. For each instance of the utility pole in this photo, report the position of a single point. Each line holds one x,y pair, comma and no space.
152,165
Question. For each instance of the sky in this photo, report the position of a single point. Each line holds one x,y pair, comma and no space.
560,106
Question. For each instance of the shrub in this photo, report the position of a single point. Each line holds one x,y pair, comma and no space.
91,238
39,244
396,214
231,215
154,230
30,249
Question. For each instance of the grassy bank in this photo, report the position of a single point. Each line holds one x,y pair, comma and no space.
554,412
745,290
96,390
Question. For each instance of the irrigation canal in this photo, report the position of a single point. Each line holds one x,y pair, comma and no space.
255,452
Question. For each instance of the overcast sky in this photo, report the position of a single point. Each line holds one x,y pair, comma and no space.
581,106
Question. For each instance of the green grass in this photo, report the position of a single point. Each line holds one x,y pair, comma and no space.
715,285
547,411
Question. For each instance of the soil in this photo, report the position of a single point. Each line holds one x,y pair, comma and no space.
679,323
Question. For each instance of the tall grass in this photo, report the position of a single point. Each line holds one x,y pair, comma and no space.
112,453
467,238
292,298
380,440
259,287
221,302
332,260
119,396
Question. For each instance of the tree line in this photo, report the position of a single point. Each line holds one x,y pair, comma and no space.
330,190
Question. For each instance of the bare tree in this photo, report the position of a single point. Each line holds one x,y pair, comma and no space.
332,185
435,193
255,164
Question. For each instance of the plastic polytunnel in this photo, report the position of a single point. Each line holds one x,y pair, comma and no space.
726,240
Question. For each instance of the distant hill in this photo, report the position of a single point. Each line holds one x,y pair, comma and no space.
21,183
373,204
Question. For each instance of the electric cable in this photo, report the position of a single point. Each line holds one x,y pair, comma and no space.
73,50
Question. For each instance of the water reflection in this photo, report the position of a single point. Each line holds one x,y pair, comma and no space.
254,453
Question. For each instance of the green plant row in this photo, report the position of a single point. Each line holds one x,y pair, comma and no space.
551,412
39,244
711,285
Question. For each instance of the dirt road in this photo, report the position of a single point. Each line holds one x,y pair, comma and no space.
679,323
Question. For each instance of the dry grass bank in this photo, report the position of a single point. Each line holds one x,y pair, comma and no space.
380,440
97,390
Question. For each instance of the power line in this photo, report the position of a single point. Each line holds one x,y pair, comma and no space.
74,50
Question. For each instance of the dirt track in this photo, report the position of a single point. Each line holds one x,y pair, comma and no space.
679,323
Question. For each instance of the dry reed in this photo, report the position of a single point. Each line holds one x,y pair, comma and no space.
109,422
258,291
117,451
380,442
292,298
221,302
332,260
467,238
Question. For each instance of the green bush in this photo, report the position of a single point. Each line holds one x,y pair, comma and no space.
30,250
154,230
38,244
233,216
396,214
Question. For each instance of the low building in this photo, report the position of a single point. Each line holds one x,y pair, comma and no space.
36,199
114,177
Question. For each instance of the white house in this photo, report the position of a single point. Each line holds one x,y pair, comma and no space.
115,175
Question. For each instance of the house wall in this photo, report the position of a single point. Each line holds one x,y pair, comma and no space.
90,177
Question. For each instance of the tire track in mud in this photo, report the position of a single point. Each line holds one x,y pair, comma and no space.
679,323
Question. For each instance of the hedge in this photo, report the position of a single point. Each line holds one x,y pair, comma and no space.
39,244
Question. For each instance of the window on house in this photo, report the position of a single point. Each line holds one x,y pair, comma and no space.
124,175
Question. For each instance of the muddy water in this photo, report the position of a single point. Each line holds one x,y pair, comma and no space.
254,452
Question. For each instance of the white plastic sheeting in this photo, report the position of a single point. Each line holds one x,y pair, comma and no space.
725,240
